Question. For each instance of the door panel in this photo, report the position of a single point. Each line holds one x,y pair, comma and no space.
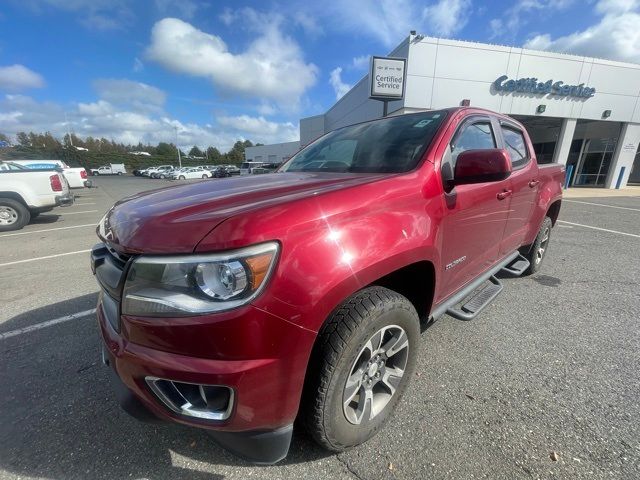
474,218
523,183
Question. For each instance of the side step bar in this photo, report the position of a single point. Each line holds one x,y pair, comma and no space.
478,301
517,267
462,294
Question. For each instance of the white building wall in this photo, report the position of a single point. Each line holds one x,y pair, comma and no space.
310,129
441,73
274,153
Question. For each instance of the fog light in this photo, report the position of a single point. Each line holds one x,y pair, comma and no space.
209,402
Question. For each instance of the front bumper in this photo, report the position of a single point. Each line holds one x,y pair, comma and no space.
259,357
65,200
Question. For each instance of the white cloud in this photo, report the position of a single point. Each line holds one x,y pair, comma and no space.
308,23
127,92
523,11
14,78
361,62
335,79
388,22
272,67
259,128
138,66
104,119
447,16
616,36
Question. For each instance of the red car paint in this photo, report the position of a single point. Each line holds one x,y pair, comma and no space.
338,233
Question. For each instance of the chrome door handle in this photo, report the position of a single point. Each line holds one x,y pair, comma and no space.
504,194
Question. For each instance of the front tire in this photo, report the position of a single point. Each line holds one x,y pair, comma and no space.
205,176
538,249
13,215
182,177
362,363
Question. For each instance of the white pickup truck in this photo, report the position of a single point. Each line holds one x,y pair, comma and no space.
111,169
25,193
76,177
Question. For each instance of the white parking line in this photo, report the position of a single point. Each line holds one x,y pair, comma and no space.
83,204
43,258
47,230
48,323
603,205
601,229
74,213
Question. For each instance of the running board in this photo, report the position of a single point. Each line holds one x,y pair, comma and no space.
468,290
478,301
517,267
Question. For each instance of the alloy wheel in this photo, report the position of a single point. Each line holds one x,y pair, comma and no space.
375,374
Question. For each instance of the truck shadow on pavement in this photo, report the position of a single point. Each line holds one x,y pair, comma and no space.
60,418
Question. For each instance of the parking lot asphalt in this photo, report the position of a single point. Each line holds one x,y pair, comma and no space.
550,369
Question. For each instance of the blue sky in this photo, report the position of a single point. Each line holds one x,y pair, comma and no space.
223,70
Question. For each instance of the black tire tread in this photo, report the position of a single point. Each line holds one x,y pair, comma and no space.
331,343
23,211
533,268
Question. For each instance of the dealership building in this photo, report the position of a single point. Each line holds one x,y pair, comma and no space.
580,111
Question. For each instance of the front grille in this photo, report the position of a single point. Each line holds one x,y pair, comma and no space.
120,258
110,269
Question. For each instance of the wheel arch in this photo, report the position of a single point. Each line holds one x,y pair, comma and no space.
409,281
553,211
14,196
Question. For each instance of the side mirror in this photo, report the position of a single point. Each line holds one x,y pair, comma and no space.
479,166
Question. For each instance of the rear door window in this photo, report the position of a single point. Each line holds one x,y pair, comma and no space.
516,146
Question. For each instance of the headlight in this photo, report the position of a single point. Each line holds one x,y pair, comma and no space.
186,285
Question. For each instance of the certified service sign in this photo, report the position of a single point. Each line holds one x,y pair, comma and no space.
387,77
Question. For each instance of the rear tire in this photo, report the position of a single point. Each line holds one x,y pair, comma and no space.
205,176
13,215
119,173
182,177
539,248
362,362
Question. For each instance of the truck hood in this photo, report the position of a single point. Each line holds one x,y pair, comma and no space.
175,219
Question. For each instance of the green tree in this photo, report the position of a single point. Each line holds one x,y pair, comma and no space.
236,154
23,139
164,148
196,152
214,156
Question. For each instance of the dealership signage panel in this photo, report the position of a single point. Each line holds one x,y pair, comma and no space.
532,85
387,77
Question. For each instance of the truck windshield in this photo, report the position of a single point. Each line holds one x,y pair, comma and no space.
388,145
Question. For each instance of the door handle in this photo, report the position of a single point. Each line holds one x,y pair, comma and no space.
504,194
533,183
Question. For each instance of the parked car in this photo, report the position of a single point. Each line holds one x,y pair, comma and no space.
301,294
156,172
192,172
139,172
25,193
220,172
76,176
111,169
232,169
246,168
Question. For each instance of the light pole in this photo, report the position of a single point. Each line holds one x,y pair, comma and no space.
178,148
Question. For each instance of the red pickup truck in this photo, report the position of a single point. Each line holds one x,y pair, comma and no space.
238,305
